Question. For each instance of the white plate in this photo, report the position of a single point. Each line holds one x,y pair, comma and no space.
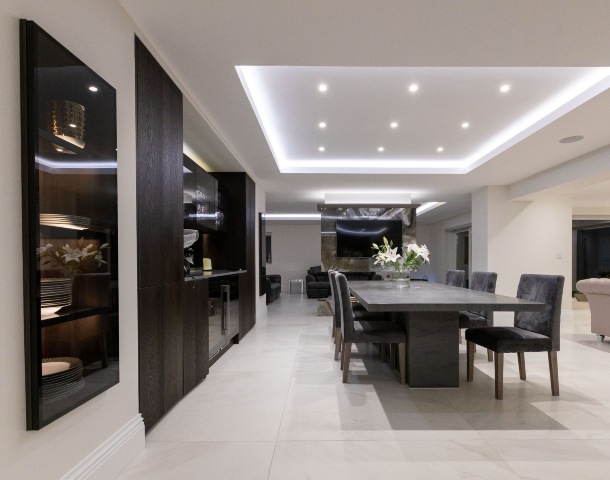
49,368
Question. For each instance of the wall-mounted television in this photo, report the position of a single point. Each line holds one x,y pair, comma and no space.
355,237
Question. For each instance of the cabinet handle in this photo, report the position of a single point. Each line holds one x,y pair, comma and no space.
225,291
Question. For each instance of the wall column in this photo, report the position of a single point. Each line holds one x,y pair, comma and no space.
516,237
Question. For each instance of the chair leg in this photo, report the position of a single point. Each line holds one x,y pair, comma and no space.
402,362
347,350
341,355
554,373
499,368
337,343
393,355
333,328
521,359
384,357
469,361
490,355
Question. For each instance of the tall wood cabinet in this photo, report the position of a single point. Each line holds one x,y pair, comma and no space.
160,237
174,314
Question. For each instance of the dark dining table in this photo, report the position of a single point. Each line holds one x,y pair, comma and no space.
429,312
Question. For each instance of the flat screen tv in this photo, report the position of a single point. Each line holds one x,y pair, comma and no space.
355,237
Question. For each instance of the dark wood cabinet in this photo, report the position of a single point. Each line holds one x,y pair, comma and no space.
234,249
195,333
160,354
159,173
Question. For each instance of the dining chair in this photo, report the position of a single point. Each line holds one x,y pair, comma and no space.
359,312
481,282
455,278
532,331
363,331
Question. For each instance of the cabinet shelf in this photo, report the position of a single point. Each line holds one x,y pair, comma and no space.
69,314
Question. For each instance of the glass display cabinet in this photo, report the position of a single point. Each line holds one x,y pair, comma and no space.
69,162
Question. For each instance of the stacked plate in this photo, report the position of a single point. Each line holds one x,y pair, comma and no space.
66,221
61,377
54,294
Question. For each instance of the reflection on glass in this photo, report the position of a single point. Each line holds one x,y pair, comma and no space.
74,352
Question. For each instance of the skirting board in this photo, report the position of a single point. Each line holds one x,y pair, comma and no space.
109,459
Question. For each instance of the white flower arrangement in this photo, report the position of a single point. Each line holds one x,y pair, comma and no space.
413,256
70,260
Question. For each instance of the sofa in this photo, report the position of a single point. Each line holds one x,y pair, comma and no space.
273,287
317,284
597,291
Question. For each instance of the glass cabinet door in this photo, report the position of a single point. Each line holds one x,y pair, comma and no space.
70,234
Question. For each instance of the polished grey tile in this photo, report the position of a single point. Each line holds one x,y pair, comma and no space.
274,407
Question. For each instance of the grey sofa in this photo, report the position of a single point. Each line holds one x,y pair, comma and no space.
273,287
317,284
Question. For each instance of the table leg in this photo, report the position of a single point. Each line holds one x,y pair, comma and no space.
432,349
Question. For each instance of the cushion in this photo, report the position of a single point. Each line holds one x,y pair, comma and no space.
509,339
377,332
472,320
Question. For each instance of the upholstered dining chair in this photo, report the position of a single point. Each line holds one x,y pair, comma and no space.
455,278
481,282
359,312
362,331
532,331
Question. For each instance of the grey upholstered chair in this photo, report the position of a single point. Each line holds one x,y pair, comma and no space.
533,331
481,282
366,332
455,278
359,312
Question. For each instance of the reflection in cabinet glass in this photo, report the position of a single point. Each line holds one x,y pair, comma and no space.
69,169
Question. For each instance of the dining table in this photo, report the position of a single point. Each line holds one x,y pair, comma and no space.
429,313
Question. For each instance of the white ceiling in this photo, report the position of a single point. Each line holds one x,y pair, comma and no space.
368,53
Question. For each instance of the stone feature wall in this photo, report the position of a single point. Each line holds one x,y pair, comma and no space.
328,229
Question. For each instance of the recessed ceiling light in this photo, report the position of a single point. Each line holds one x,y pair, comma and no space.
321,149
465,125
93,88
73,125
59,149
380,149
505,88
573,139
322,124
414,87
394,125
440,149
322,87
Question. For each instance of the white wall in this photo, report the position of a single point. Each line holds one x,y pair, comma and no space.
516,237
101,35
295,246
440,241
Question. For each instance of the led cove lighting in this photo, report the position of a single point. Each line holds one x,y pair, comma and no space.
322,87
414,87
426,207
93,88
394,125
505,88
292,216
322,124
574,92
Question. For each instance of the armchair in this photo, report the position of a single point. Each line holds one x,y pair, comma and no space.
273,287
597,291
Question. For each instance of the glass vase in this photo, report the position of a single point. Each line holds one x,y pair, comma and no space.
401,278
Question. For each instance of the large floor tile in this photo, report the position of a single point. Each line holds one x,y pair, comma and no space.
389,460
202,460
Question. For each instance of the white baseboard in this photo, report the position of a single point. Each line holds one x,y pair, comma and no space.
109,459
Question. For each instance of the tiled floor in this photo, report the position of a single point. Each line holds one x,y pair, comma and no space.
274,408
